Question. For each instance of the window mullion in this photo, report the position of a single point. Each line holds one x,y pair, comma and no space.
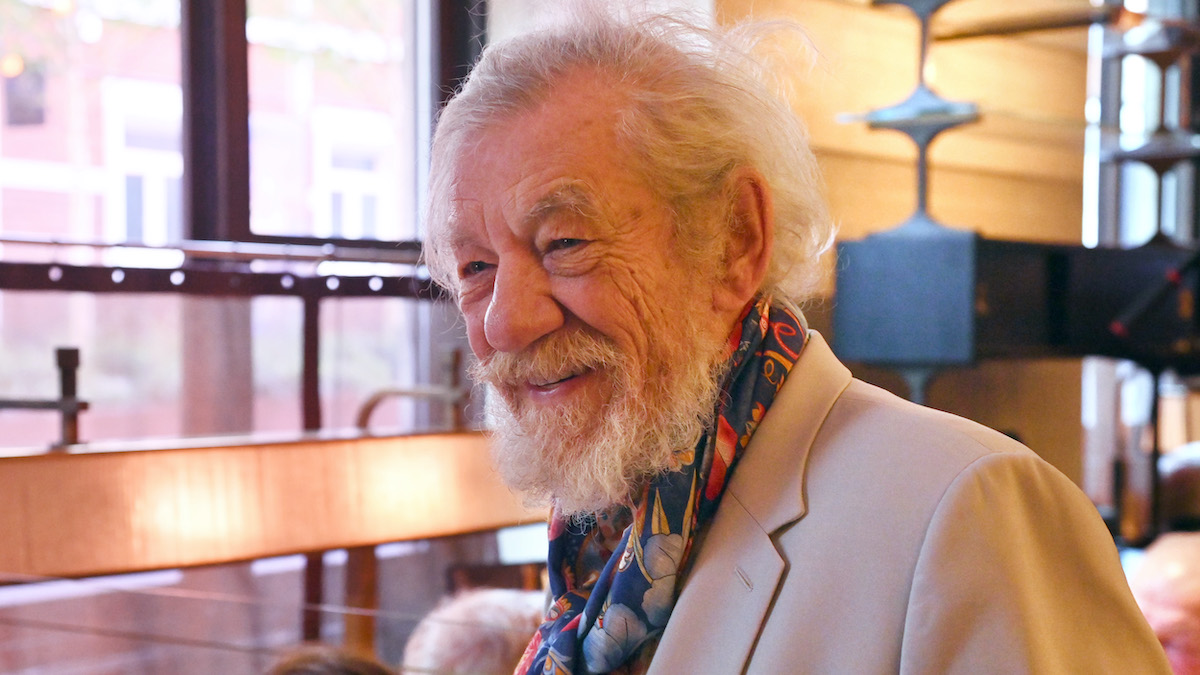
216,138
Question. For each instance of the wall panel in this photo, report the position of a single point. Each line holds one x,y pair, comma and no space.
1017,174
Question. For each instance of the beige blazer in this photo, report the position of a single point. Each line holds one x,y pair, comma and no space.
861,533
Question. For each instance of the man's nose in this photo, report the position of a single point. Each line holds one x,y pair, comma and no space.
522,308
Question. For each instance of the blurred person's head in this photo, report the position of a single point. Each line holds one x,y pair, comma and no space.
317,659
1166,584
477,632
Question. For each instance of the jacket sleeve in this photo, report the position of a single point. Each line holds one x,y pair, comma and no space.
1017,574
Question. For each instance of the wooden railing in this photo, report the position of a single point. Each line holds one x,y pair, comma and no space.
102,512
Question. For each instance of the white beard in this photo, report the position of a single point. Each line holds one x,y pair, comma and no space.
582,460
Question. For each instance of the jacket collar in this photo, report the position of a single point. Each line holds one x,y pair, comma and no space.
769,479
736,569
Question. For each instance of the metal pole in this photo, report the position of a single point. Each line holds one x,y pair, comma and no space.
310,373
68,368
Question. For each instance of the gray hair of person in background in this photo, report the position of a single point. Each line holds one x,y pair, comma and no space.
479,631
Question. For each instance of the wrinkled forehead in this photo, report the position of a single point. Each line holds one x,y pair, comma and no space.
453,153
460,189
455,200
468,128
458,138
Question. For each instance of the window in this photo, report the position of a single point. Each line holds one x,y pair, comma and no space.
350,178
143,201
90,152
93,142
343,76
92,117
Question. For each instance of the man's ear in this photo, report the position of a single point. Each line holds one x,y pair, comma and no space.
751,238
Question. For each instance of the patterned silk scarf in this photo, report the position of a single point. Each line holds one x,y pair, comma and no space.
615,580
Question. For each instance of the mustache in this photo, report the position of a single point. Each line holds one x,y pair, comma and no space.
551,358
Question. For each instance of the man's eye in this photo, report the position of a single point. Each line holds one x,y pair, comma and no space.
472,268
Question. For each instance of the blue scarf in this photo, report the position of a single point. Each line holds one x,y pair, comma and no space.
615,580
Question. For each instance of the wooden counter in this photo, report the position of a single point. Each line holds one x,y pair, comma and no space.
89,512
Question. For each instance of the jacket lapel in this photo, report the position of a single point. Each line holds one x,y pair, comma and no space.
725,597
769,479
733,579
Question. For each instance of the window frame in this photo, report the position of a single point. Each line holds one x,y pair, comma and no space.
216,111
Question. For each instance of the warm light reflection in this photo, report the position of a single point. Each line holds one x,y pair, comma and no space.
430,486
12,65
1138,6
202,510
127,511
409,486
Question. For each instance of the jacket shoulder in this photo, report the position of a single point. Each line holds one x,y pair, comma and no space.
872,414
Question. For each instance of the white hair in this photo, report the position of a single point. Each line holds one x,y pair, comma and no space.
477,632
701,106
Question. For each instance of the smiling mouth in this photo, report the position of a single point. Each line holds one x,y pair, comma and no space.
551,383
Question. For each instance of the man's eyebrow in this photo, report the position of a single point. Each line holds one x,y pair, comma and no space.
571,197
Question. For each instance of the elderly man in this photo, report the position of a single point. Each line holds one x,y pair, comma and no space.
627,217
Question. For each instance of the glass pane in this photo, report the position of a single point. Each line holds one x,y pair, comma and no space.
277,327
368,345
332,119
89,140
133,373
239,618
157,366
129,371
227,619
